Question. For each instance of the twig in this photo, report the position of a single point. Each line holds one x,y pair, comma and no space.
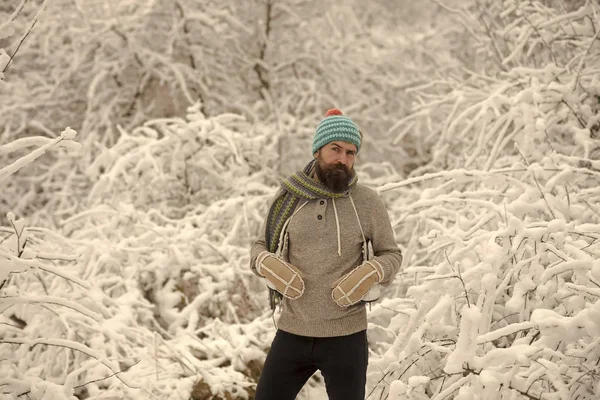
39,278
11,325
589,245
258,67
460,278
18,47
95,380
109,376
580,68
472,371
594,282
67,345
6,237
186,32
449,174
537,183
502,319
564,8
43,6
590,207
19,252
541,37
377,385
53,300
396,311
557,255
581,122
489,34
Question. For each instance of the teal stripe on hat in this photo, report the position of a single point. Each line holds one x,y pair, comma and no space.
336,120
336,127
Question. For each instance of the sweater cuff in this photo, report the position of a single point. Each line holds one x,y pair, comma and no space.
378,268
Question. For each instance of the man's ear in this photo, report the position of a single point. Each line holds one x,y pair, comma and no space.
316,154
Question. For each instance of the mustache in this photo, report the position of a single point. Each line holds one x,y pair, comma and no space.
339,166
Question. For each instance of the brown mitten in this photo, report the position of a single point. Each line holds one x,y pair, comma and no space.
281,276
352,287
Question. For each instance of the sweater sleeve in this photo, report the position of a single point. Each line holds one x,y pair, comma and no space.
258,246
386,250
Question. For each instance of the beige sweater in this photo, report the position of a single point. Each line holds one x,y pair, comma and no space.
313,248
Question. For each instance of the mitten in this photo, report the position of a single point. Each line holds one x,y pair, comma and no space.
281,276
352,287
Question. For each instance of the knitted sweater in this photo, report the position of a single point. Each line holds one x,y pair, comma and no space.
325,246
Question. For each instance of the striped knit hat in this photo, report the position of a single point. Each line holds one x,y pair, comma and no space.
336,126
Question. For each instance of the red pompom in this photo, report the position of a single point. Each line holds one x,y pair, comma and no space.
333,111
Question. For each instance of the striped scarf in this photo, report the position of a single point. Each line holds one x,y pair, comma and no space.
299,185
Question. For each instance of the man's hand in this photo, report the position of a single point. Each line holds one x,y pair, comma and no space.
281,276
352,287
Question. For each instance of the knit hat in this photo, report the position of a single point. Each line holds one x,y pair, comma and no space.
336,126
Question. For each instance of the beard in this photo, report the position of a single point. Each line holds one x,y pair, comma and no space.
336,177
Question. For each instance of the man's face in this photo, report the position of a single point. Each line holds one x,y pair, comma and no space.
335,165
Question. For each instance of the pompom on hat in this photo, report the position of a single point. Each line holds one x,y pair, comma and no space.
336,126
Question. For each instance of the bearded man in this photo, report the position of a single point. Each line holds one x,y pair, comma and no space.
312,251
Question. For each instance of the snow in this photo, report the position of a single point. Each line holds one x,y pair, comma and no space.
465,349
124,240
4,58
68,134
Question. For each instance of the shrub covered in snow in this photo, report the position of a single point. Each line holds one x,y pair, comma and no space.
503,225
151,292
129,279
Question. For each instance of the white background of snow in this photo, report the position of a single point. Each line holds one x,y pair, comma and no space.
500,286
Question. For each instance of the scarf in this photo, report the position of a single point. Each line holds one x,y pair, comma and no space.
300,185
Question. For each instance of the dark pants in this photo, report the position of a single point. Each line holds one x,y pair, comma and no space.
293,359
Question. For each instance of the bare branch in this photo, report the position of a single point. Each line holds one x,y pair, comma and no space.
67,344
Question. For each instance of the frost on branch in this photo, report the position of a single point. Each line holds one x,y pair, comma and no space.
186,165
501,229
64,141
157,283
164,238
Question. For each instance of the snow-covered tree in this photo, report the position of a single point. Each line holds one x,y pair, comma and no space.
124,255
502,256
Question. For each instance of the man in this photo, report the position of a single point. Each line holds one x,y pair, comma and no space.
311,250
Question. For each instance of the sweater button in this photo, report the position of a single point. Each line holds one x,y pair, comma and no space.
319,217
322,202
